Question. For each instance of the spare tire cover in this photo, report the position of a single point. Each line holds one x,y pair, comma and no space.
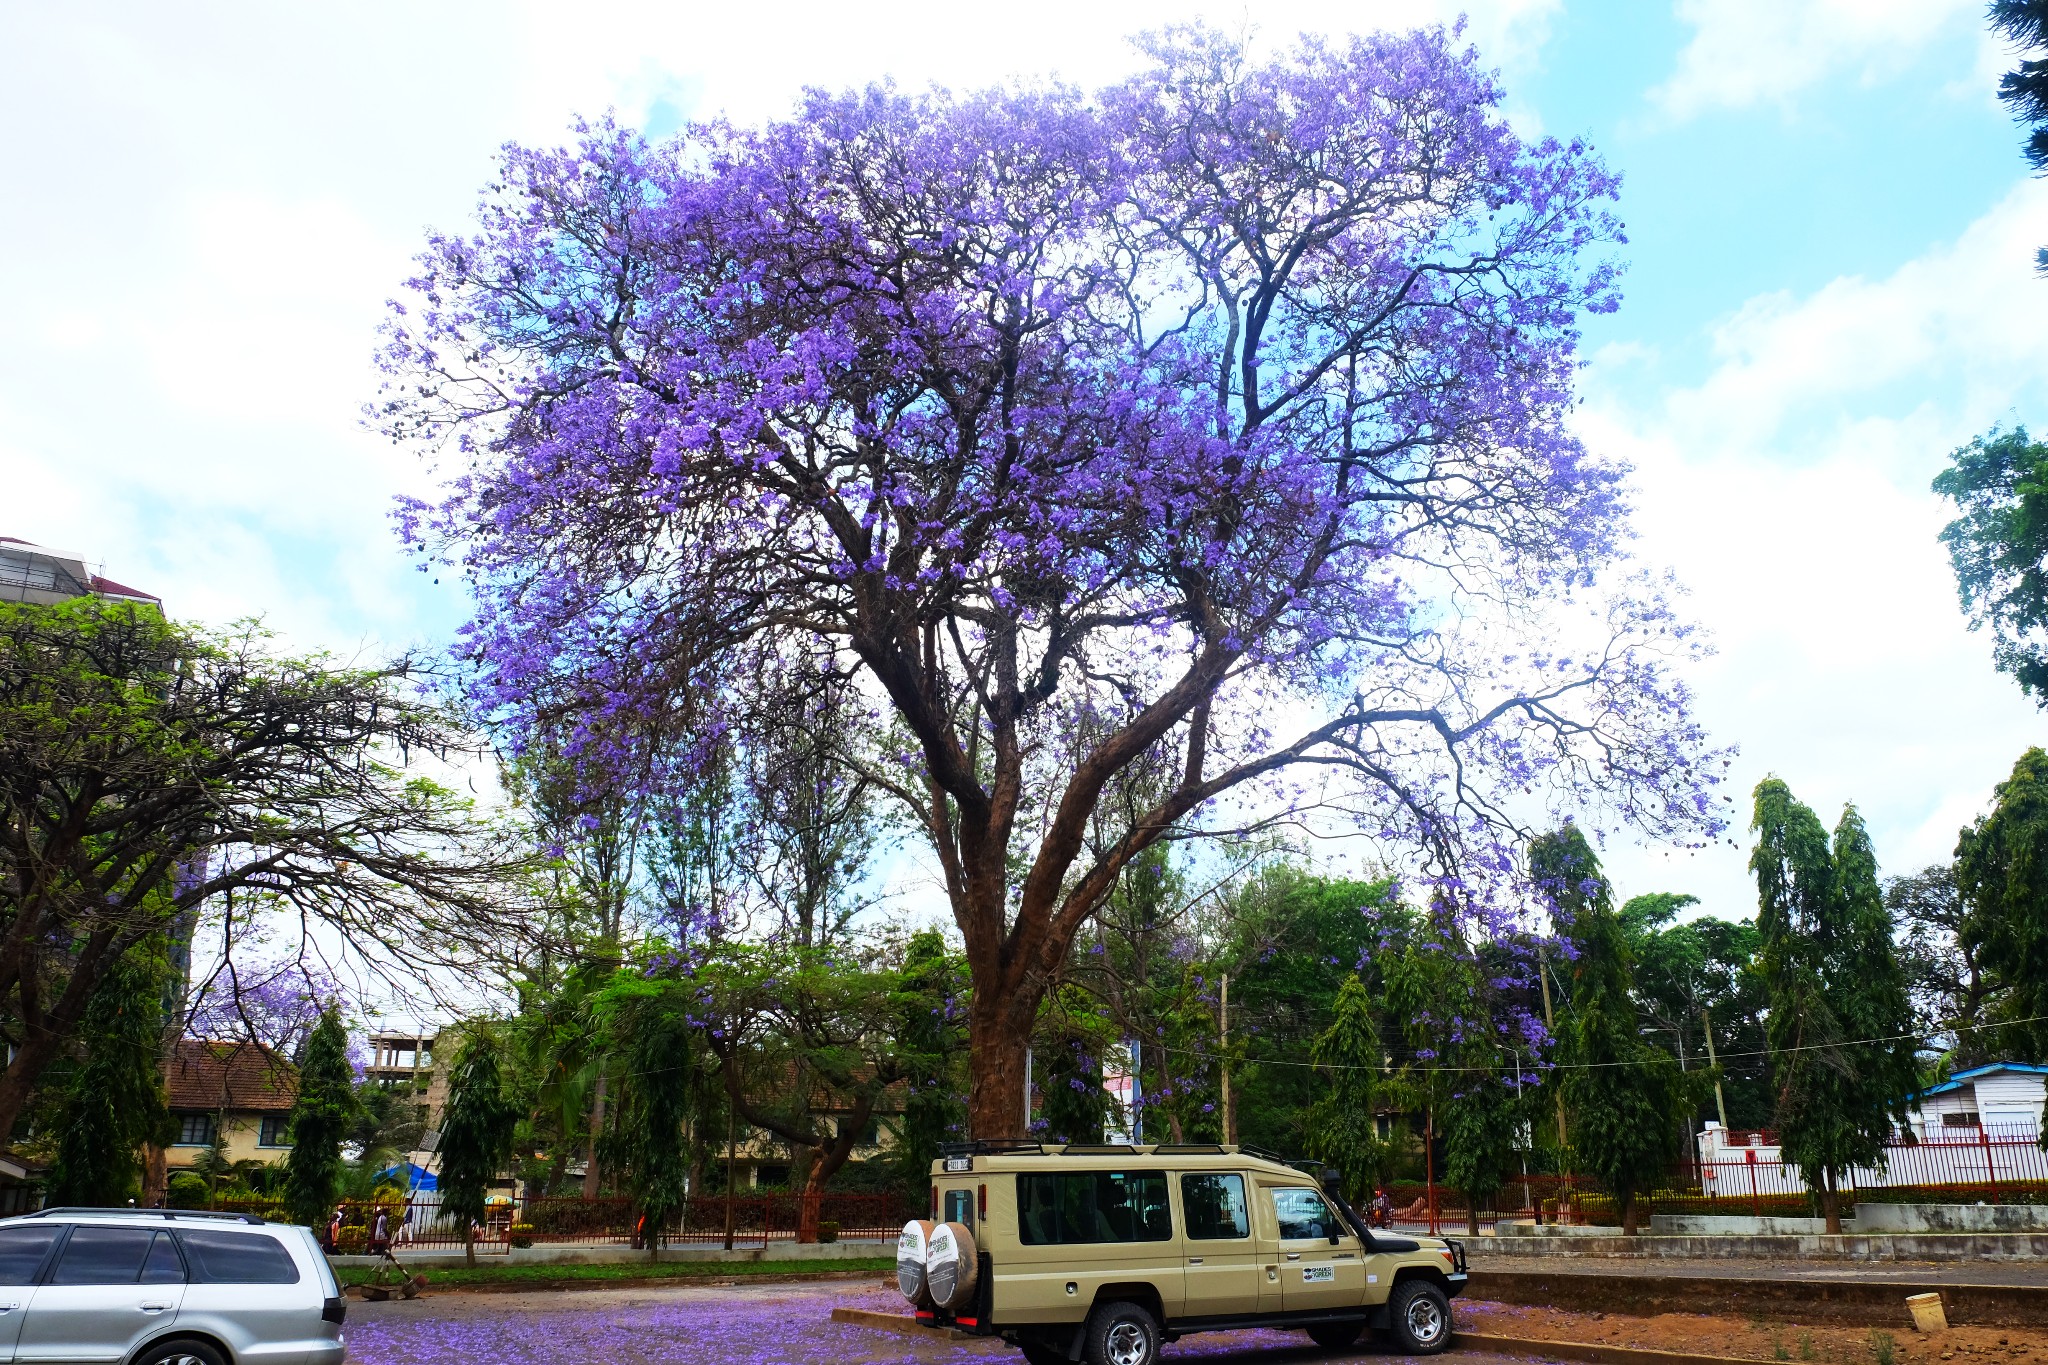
950,1266
911,1246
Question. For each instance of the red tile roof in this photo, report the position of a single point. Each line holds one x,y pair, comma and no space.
242,1076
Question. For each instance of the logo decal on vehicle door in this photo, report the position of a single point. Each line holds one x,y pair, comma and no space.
1318,1274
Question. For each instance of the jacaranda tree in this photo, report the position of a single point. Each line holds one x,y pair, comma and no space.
1215,424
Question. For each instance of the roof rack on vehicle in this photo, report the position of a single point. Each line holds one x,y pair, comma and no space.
214,1214
1261,1153
1190,1149
1102,1149
993,1147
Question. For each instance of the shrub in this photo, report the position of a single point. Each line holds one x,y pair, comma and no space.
186,1191
520,1234
828,1231
353,1239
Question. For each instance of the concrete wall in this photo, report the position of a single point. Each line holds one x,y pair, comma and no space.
1951,1218
1925,1246
1741,1225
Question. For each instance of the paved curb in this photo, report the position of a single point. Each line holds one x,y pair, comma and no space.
1862,1303
721,1280
906,1325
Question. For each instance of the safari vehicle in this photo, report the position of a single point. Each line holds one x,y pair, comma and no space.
1102,1253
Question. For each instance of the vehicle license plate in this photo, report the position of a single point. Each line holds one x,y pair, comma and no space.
959,1163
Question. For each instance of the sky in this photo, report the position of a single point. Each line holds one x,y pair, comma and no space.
1831,233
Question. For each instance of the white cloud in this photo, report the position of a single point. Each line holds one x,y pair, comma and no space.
1750,52
1790,489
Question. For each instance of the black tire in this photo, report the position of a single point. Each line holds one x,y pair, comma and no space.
1335,1336
1038,1353
178,1351
1419,1317
1122,1334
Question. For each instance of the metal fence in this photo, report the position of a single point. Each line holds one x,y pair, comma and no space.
755,1220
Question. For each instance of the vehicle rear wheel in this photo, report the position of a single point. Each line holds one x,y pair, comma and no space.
1122,1334
1335,1336
179,1352
1419,1316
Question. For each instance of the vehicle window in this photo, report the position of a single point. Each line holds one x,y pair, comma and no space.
1303,1214
22,1251
162,1265
960,1207
1214,1206
1092,1206
103,1256
237,1258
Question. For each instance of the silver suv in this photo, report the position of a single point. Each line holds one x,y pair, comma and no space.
165,1287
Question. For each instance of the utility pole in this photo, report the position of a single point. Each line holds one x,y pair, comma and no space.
732,1120
1223,1034
1027,1092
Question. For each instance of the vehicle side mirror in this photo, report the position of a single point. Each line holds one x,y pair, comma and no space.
1336,1237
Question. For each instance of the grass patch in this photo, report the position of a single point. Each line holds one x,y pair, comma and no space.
452,1276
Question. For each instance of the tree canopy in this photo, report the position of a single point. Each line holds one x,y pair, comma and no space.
1217,424
1997,543
2025,88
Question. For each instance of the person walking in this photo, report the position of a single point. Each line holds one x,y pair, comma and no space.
380,1232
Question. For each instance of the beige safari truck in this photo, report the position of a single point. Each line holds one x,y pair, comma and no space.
1103,1253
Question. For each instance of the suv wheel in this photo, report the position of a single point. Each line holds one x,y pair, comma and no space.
1122,1334
1335,1336
1420,1316
178,1353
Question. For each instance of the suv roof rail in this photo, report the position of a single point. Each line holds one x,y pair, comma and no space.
215,1214
1190,1149
1101,1149
1261,1153
992,1147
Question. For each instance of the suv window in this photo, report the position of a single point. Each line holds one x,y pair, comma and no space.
237,1258
22,1251
1303,1215
1214,1206
1092,1206
97,1255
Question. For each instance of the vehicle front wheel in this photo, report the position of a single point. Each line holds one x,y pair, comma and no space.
1419,1315
1335,1336
179,1352
1122,1334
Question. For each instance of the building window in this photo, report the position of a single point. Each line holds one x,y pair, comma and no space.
276,1131
195,1130
1963,1120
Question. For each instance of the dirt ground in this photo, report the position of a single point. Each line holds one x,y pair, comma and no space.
1754,1339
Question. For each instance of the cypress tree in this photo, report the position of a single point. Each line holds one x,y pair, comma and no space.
1342,1124
321,1117
476,1133
929,1032
116,1098
2002,872
1838,1001
660,1069
1621,1093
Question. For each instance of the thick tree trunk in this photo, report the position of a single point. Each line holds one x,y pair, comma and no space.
996,1047
18,1081
1471,1216
1830,1204
156,1175
1628,1215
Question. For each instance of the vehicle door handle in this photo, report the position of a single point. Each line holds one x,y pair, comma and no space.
1293,1255
1194,1260
153,1307
8,1307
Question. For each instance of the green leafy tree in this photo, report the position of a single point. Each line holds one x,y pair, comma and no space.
476,1133
1839,1003
116,1098
1073,1038
322,1117
2025,88
1622,1093
931,1031
1997,544
651,1022
1696,976
1343,1125
2002,874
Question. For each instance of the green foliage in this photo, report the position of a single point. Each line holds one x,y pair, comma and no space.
1343,1124
1997,543
476,1128
1700,972
650,1022
321,1118
2002,874
931,1034
1072,1039
1623,1095
116,1100
2024,23
186,1190
1837,991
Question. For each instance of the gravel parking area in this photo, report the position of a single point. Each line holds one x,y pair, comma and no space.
695,1325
